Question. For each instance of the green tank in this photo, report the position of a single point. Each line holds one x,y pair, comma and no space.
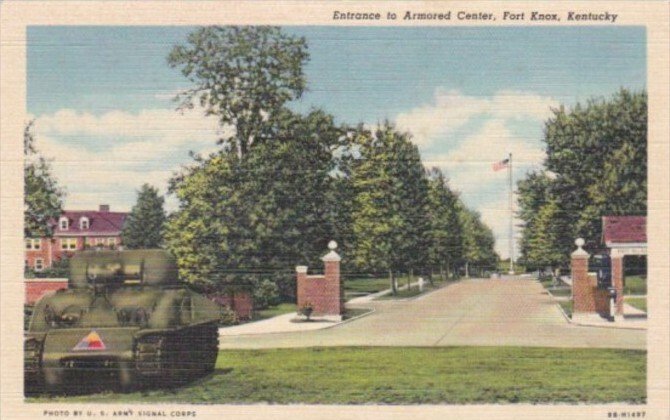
123,316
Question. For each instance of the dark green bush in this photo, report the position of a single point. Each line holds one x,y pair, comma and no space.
228,317
266,293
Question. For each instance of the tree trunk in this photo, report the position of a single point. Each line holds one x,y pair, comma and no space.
467,269
392,279
409,278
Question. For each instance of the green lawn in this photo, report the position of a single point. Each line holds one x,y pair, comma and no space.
412,292
561,292
407,375
403,294
639,303
364,286
567,307
635,285
282,308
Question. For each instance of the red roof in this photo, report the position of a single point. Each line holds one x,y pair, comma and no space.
624,229
100,222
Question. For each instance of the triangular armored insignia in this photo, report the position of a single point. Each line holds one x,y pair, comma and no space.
91,342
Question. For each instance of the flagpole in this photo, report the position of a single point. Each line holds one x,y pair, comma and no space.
511,217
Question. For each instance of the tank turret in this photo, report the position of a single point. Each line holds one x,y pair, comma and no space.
126,315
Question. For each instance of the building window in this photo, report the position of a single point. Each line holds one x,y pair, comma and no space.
68,244
34,244
39,264
111,241
63,223
84,223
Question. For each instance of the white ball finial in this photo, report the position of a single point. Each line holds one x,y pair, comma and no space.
332,245
579,252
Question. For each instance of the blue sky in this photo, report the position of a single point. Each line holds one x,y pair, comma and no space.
101,97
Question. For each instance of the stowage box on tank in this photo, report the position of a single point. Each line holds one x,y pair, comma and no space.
124,315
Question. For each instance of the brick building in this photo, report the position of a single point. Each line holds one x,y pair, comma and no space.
73,231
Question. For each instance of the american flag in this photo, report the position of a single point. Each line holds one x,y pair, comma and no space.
501,165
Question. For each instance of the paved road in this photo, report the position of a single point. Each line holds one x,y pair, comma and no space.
482,312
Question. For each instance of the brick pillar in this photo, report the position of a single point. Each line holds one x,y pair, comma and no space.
301,285
331,262
617,283
582,293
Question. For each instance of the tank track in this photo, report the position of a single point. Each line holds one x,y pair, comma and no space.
177,356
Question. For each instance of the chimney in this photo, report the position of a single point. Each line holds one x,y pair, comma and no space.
104,207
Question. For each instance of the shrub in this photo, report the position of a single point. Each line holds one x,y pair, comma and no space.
60,268
266,294
228,316
306,310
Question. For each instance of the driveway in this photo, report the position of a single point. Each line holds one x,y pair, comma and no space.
477,312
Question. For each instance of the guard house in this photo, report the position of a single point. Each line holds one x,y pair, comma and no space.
591,292
624,236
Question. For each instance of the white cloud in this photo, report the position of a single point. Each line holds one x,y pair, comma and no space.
451,110
469,165
148,123
113,154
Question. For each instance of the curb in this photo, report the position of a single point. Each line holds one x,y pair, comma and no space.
579,324
420,295
332,325
560,308
369,312
615,327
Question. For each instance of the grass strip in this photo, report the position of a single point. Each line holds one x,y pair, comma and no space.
408,375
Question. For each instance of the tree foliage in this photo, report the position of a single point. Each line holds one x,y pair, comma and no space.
478,241
145,224
597,155
446,233
43,197
242,219
389,213
243,75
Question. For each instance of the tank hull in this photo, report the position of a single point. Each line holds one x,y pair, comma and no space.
130,358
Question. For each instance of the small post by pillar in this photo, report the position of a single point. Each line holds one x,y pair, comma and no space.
617,283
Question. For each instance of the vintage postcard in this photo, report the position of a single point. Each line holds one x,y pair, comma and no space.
334,209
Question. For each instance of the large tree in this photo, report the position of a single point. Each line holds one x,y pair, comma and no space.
243,75
257,206
242,220
43,198
390,220
596,154
144,225
478,242
446,232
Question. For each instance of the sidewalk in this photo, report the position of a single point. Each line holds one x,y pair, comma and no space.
634,318
285,323
280,324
